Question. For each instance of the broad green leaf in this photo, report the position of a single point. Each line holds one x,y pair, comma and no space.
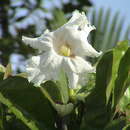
1,117
24,96
52,89
97,112
125,100
127,127
62,85
1,76
64,110
116,124
109,69
118,53
21,114
128,113
103,73
123,78
58,90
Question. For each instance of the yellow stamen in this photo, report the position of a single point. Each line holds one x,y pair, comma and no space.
65,50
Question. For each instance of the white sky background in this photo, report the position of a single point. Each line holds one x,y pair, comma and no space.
123,6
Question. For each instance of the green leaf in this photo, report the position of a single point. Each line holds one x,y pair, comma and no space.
125,100
1,117
62,85
116,124
58,90
118,53
123,78
127,127
25,99
97,112
64,110
111,78
21,114
1,76
52,89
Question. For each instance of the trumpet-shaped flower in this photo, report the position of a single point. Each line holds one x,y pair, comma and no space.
64,48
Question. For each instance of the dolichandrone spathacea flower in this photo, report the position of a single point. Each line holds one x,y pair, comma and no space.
62,49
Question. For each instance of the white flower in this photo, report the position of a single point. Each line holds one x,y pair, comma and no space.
64,49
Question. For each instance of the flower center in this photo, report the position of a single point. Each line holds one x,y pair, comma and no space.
65,50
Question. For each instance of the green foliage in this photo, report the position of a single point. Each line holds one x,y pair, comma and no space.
52,107
116,124
118,53
123,78
62,85
125,100
27,103
100,110
98,113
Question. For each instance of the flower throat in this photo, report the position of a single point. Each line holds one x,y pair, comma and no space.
65,50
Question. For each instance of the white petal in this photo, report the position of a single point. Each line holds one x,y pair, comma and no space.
34,61
74,18
32,72
47,68
79,43
83,79
73,79
78,65
77,40
50,59
32,67
48,65
77,18
88,50
88,28
42,43
38,79
46,31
